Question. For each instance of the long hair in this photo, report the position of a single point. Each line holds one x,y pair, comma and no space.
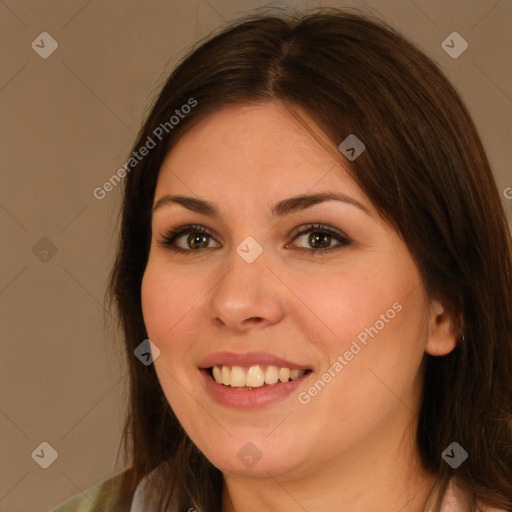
426,172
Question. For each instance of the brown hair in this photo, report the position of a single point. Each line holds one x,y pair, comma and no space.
426,172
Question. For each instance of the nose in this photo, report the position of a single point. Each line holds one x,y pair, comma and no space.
247,295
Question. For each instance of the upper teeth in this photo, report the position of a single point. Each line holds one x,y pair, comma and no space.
255,376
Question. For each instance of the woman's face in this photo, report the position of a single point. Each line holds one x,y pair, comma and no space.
251,296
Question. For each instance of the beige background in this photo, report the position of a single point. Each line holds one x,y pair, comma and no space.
68,123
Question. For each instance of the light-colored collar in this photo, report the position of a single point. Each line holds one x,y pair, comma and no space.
140,494
454,499
138,497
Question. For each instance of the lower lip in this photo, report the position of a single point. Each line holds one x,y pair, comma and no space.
251,398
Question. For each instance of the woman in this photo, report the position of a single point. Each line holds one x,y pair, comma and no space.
313,241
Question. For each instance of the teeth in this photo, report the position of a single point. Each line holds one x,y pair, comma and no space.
237,377
226,376
217,374
294,374
255,377
284,374
271,375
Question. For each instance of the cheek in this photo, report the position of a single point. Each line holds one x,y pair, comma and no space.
154,304
167,297
376,315
343,304
379,332
172,303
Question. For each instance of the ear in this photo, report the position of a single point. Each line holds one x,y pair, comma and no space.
443,331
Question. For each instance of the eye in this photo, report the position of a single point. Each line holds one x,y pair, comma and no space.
197,238
321,236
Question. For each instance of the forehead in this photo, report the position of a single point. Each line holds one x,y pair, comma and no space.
252,152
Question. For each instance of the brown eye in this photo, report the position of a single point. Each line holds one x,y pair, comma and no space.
320,238
197,241
195,238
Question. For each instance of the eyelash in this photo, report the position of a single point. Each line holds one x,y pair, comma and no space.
170,237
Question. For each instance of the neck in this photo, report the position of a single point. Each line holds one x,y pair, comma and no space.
371,476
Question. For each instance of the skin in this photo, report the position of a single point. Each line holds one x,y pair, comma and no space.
352,447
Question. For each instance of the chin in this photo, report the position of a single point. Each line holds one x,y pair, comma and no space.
255,456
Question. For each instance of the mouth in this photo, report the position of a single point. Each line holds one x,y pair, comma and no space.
252,380
254,377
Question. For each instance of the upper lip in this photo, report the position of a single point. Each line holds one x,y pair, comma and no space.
248,359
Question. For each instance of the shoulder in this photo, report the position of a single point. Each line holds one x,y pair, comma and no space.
102,496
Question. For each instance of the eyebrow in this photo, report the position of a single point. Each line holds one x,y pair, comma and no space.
280,209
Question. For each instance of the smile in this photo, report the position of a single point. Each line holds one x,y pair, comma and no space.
252,379
254,376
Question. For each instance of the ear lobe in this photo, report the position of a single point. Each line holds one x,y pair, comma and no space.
443,331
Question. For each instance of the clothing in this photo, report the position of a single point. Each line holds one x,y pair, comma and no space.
454,500
102,497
